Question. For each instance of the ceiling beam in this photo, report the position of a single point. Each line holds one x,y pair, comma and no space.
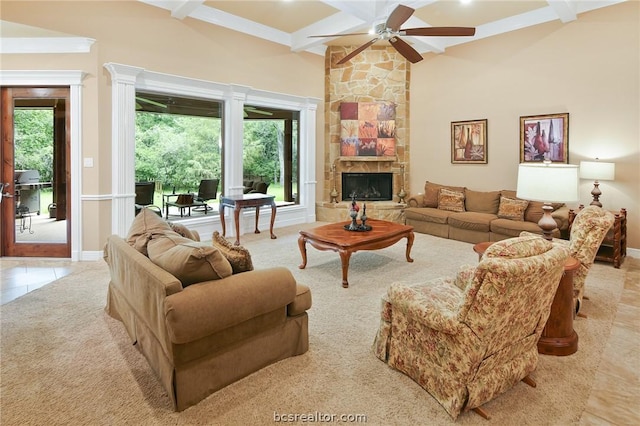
566,9
185,8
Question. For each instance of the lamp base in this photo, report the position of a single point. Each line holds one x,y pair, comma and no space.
547,223
596,194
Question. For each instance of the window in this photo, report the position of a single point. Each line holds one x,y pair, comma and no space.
178,142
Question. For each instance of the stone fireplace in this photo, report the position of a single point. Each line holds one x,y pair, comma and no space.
378,74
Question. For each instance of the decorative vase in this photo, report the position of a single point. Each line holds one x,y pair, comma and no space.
401,195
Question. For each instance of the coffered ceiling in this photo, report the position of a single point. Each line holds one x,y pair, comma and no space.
291,22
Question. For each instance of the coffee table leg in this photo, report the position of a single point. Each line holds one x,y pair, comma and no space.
344,258
302,244
410,238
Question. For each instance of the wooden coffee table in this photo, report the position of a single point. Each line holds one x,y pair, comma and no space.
334,237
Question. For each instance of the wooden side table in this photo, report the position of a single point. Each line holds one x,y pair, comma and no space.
238,202
614,246
558,337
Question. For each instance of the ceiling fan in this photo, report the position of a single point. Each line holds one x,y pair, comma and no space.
390,31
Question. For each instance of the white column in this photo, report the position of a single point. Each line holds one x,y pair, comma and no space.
123,145
308,159
234,137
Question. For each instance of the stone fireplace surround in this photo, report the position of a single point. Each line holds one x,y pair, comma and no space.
377,74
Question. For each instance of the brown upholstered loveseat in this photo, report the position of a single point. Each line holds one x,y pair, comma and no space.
203,336
463,214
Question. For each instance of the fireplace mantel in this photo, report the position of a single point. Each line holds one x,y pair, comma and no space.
354,159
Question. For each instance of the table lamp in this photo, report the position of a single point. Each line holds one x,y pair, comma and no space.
549,183
597,170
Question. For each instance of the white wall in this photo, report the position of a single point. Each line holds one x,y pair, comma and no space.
588,68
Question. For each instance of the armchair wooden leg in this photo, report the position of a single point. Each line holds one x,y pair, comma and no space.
482,413
528,380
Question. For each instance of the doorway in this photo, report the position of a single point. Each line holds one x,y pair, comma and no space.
35,209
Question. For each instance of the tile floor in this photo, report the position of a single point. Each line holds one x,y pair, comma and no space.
616,391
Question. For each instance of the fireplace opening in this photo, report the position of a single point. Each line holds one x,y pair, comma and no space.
367,186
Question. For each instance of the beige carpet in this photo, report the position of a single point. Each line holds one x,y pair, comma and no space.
64,361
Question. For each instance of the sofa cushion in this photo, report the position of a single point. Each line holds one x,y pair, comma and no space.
427,214
451,200
512,208
187,260
146,224
238,256
481,201
472,221
432,191
301,303
513,228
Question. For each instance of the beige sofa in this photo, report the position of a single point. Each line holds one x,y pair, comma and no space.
476,216
202,336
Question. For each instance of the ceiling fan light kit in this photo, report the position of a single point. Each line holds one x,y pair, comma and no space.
391,32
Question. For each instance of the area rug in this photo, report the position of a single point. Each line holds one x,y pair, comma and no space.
64,361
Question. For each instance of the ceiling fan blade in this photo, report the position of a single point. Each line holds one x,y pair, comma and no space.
439,31
150,102
358,50
337,35
405,50
254,110
398,17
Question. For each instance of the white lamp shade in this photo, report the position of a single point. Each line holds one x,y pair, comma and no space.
597,170
553,183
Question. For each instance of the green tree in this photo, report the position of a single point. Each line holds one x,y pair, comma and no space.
177,150
262,148
33,140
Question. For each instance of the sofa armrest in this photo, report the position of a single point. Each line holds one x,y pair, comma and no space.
434,304
415,200
140,285
208,307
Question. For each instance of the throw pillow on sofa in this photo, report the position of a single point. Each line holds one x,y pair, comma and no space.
187,260
238,256
512,208
146,224
182,230
451,200
432,192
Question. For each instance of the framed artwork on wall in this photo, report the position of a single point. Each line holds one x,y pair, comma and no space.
544,138
469,142
367,129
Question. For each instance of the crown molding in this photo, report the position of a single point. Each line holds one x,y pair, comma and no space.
25,45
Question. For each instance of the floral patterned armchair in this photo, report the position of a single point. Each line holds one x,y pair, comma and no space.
469,338
587,230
